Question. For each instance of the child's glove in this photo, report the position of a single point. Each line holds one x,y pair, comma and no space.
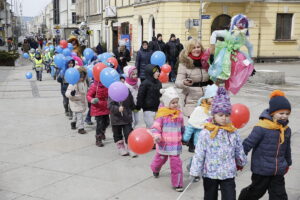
73,93
136,110
239,168
211,58
94,100
195,178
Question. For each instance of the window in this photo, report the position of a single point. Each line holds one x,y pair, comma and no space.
73,17
73,1
284,26
56,11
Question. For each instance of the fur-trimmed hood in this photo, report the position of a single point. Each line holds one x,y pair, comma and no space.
186,60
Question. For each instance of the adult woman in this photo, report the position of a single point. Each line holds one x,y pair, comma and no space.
192,74
123,55
143,59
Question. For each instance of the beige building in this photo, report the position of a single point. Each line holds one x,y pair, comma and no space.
274,25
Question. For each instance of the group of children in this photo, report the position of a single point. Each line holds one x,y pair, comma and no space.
220,152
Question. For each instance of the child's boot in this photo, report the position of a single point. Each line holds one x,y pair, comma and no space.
99,142
73,125
121,148
81,131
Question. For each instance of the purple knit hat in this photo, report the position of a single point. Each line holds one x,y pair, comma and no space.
221,102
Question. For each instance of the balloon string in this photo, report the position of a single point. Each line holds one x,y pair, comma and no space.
123,108
179,197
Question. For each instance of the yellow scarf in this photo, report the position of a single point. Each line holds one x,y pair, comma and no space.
205,106
162,112
215,128
268,124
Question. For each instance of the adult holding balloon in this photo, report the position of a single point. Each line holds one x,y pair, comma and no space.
192,77
123,55
121,104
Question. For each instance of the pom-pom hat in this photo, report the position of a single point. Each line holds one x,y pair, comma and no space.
278,102
221,102
168,95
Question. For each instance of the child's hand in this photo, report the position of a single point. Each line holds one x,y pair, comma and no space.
94,100
73,93
239,168
121,109
156,139
286,170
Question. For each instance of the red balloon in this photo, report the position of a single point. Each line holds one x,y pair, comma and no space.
140,141
163,77
166,68
240,115
97,70
63,44
113,61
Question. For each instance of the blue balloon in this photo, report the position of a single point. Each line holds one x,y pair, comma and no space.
72,76
53,71
67,52
59,60
90,71
158,58
46,48
58,49
109,76
28,75
62,73
25,55
88,53
70,46
99,57
105,56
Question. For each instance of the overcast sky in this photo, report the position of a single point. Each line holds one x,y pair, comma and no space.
33,8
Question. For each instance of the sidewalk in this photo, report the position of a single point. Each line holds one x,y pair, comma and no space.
41,158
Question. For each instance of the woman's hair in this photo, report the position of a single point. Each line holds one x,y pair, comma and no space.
184,54
144,42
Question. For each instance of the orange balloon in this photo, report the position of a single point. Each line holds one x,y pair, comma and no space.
63,44
240,115
113,61
163,77
166,68
140,141
97,70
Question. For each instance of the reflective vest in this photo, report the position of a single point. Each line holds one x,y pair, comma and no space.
32,55
38,64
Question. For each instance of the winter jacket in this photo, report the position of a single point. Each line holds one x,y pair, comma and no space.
269,157
172,50
169,131
134,90
125,55
217,158
118,118
97,90
198,75
78,103
149,92
142,60
157,45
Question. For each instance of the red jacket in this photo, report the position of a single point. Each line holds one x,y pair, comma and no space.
97,90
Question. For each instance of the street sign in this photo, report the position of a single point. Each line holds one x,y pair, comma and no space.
196,22
205,17
57,31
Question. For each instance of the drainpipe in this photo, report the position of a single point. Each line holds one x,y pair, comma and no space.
259,37
200,20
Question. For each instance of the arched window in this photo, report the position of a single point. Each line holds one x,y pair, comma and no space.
140,30
151,26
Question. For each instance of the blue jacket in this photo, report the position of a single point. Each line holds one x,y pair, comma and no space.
189,131
269,157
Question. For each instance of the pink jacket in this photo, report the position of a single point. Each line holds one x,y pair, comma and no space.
97,90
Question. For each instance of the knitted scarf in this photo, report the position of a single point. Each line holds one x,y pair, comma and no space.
162,112
205,106
268,124
215,128
131,81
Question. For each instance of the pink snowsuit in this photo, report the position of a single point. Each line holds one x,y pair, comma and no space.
170,133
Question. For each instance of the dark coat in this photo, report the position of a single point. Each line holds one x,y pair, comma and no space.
99,49
124,118
149,91
125,55
173,49
142,59
269,157
157,46
63,84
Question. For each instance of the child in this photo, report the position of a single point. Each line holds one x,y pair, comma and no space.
148,94
121,120
63,88
38,66
167,132
77,99
270,140
199,116
219,151
133,83
98,96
